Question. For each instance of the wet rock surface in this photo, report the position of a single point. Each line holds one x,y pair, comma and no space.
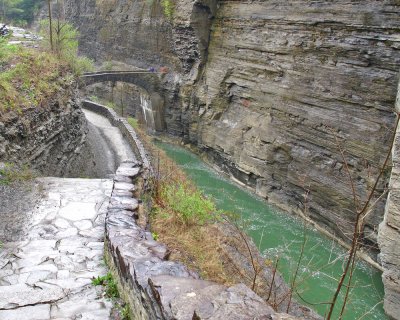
47,273
16,202
105,148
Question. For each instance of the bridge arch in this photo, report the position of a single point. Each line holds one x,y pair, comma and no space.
153,110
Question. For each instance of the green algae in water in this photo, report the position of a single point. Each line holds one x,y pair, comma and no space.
282,235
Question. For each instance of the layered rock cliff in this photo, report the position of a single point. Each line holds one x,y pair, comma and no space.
280,94
389,233
270,90
47,138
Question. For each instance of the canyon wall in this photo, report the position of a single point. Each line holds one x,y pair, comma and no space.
287,97
49,139
289,85
273,91
389,233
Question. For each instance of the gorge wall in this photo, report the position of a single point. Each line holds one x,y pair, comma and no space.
270,90
389,233
48,139
273,91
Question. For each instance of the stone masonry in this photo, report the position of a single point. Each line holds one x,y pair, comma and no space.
48,273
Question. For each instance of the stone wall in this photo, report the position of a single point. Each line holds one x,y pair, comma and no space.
47,138
154,287
127,131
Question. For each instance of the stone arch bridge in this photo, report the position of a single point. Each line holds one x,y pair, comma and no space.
147,80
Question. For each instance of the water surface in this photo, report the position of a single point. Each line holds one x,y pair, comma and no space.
279,234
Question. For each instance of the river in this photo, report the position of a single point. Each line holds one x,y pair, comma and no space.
279,234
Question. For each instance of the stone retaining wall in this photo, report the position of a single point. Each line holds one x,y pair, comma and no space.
125,129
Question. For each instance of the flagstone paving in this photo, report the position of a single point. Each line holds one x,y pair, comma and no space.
47,274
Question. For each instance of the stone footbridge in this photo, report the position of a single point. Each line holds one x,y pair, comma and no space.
150,82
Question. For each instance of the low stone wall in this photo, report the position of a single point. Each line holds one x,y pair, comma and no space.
125,129
154,287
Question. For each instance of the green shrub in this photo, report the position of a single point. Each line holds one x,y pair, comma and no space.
168,8
19,12
27,76
125,313
109,283
133,122
155,235
107,66
10,173
65,45
190,206
81,64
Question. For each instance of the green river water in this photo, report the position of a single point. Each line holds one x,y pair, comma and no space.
279,234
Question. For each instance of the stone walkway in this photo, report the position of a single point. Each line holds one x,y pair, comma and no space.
47,275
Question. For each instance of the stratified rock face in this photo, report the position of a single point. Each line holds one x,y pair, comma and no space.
389,235
289,82
48,138
272,92
134,32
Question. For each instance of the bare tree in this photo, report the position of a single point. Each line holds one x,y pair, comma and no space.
361,213
50,25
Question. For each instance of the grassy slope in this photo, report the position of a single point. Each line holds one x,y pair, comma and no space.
29,77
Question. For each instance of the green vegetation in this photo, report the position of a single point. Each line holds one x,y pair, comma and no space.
125,312
107,65
183,219
187,204
19,12
65,45
111,292
106,103
168,8
107,281
28,77
155,235
10,173
133,122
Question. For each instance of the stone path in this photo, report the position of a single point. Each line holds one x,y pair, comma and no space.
114,140
107,146
47,275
